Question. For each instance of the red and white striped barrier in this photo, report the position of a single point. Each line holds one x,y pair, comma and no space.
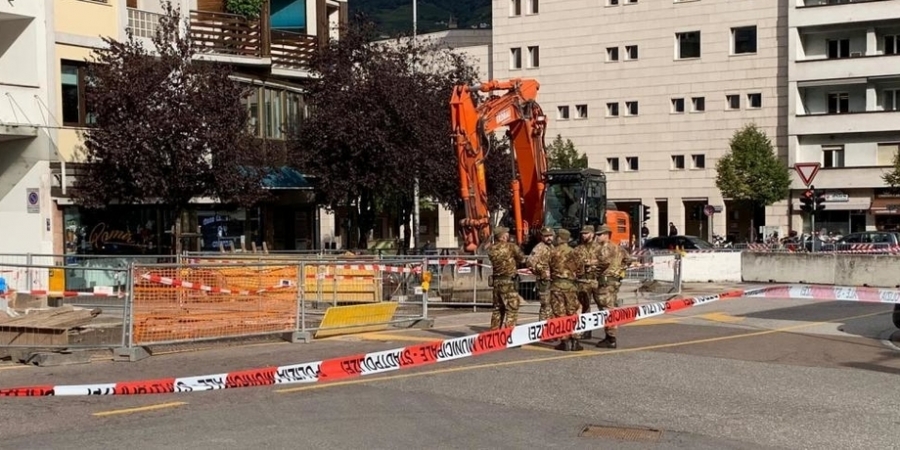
371,267
211,289
438,351
45,293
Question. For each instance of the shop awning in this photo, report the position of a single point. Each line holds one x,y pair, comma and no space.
286,178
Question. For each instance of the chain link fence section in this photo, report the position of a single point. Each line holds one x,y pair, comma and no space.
652,277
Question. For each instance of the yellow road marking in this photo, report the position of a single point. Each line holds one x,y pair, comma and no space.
720,317
393,337
570,356
22,366
139,409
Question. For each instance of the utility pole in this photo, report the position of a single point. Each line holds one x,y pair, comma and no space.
415,220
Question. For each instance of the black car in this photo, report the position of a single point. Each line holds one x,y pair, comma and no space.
673,242
896,315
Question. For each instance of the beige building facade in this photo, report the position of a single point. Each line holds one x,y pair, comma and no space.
652,91
844,109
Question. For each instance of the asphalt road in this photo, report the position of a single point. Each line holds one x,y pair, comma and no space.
737,374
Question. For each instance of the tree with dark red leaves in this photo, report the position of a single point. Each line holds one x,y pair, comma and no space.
166,128
380,120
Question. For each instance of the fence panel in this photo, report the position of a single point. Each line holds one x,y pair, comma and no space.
50,316
196,302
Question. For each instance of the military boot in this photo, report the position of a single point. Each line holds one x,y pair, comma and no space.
588,334
609,342
576,346
564,345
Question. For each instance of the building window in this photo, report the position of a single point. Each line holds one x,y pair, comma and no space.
581,111
74,80
612,109
515,58
833,156
886,153
612,54
612,2
534,6
838,48
515,7
562,112
631,2
838,102
891,100
631,52
631,108
631,163
687,44
534,57
677,105
698,104
677,162
273,112
733,101
699,161
892,44
743,40
612,164
755,100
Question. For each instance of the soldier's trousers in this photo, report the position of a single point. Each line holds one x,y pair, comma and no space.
588,291
506,305
564,300
543,293
608,299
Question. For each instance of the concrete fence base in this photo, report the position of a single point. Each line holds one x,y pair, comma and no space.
841,270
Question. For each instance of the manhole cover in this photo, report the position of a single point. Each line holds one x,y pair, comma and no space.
621,433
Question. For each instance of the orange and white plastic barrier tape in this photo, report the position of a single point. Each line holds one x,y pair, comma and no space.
438,351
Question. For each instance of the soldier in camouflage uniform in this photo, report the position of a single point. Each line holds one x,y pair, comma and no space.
539,263
505,258
588,254
613,261
564,266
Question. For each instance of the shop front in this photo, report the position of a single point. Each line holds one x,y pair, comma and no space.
845,211
886,208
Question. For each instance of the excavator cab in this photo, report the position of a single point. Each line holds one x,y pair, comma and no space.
575,198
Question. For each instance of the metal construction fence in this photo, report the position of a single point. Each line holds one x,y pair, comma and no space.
132,302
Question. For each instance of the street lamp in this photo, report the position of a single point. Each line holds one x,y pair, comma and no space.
415,223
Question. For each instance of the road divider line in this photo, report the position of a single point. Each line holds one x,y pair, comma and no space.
138,409
438,351
585,354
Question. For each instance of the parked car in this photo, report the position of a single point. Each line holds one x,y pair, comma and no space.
671,242
896,315
880,238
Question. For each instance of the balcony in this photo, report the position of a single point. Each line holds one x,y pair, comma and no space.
852,122
825,12
843,68
237,40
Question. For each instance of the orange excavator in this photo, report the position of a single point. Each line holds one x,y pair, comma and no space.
540,197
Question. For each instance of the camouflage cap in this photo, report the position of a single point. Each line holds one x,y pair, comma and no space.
500,231
547,231
603,229
563,234
587,229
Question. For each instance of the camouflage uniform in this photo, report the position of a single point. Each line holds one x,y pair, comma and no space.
588,287
614,260
539,263
505,258
564,265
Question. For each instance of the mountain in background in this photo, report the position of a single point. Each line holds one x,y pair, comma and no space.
395,16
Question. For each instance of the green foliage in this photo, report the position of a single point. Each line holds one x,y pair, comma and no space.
751,171
892,178
562,155
250,9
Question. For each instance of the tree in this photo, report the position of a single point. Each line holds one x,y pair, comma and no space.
380,121
167,128
892,178
751,172
562,155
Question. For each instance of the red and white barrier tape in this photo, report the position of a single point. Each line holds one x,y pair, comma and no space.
42,293
381,267
211,289
440,350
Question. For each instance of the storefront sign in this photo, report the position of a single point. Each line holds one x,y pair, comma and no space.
836,197
887,193
101,235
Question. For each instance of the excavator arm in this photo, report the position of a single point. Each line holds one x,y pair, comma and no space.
473,120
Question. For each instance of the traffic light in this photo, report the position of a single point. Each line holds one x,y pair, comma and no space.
806,200
819,200
646,213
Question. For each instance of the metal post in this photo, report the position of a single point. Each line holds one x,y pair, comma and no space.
301,291
812,219
28,274
425,291
415,223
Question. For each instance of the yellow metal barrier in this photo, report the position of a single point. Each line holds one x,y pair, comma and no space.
57,279
351,319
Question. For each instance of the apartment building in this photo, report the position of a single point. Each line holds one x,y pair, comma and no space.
26,138
270,53
844,108
652,91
